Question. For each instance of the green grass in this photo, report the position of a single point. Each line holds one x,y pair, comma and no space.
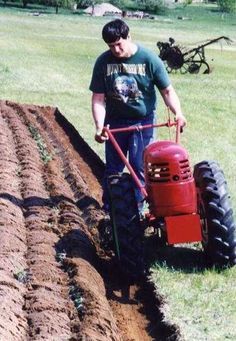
48,60
202,301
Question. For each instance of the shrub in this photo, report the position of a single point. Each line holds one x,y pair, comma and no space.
151,5
228,6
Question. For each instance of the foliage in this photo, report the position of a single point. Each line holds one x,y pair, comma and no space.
150,5
67,3
118,3
187,2
87,3
77,297
23,276
44,154
84,3
228,6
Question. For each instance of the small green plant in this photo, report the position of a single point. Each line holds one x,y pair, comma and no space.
76,295
60,256
55,209
45,156
22,276
74,292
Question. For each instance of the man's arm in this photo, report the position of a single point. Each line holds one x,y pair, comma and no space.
99,113
172,101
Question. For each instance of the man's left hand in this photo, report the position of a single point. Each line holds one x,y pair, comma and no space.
182,121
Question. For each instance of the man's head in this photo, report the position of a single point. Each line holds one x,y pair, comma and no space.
116,35
114,30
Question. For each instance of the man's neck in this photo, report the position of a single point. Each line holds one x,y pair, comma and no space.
132,50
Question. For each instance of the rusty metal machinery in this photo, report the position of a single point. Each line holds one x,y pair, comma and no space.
186,60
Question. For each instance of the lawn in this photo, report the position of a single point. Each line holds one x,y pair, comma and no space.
47,59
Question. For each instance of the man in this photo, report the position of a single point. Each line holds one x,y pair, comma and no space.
123,85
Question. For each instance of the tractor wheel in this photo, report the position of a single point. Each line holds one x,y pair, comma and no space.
128,234
218,227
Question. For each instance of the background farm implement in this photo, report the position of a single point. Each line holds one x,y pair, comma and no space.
186,60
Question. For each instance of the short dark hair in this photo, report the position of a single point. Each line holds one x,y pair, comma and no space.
114,30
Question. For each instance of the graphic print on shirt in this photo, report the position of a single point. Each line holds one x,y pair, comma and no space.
125,87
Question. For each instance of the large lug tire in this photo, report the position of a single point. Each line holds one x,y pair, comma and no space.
218,227
128,234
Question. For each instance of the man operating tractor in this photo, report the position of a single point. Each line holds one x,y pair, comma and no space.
123,94
183,206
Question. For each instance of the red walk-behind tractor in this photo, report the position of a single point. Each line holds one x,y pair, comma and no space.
184,206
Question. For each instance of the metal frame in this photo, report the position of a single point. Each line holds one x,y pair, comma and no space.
190,61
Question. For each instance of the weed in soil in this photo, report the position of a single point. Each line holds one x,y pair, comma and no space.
45,156
77,297
23,276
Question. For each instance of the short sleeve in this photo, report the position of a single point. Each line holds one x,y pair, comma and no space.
161,77
97,83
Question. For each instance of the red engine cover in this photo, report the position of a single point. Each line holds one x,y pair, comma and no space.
169,180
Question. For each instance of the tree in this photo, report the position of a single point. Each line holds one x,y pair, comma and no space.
118,3
150,5
25,2
228,6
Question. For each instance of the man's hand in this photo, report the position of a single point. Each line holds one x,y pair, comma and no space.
182,121
172,102
101,136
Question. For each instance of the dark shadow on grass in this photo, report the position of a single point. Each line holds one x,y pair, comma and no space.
185,258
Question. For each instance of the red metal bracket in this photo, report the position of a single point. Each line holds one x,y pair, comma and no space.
183,229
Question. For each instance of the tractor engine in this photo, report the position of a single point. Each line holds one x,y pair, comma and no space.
169,181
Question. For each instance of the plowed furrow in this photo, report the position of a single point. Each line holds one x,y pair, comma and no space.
50,196
78,252
13,320
53,201
42,276
80,176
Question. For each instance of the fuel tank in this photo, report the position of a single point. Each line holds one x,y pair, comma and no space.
169,180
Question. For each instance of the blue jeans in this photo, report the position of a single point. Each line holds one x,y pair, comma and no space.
132,144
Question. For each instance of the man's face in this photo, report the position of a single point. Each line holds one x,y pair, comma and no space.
121,48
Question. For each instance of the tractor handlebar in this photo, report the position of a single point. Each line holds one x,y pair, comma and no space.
167,124
111,137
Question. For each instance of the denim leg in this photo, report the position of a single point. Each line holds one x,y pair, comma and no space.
129,142
137,144
114,164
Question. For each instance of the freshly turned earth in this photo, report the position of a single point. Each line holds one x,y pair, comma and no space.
56,283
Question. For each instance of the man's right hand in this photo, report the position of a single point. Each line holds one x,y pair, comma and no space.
101,136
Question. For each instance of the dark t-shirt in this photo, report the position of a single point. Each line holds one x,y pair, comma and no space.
129,83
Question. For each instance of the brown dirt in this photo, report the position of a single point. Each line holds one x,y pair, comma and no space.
56,283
